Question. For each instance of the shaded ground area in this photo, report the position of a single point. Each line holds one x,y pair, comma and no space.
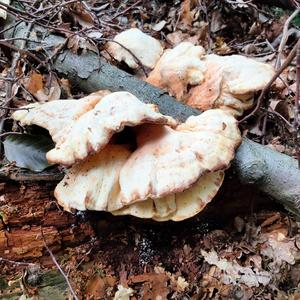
259,252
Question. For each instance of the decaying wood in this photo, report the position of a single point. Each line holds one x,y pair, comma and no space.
273,173
29,210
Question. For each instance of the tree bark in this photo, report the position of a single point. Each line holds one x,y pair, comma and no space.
271,172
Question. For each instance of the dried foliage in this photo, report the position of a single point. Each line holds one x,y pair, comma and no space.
254,257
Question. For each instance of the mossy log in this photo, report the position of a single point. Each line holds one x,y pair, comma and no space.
273,173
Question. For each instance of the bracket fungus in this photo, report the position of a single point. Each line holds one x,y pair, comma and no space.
171,175
57,116
170,171
90,131
178,68
177,206
230,83
172,160
144,47
210,81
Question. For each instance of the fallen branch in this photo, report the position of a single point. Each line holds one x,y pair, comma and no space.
273,173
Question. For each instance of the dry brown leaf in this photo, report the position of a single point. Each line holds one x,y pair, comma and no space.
186,14
82,15
96,286
43,87
155,285
278,247
123,293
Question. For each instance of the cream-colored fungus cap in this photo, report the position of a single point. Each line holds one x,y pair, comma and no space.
146,48
178,68
172,160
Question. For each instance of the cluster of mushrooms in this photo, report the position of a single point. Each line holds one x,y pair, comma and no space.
126,158
201,80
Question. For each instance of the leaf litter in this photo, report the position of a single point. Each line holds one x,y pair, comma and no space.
132,262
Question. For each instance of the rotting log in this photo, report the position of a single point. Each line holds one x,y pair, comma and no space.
30,217
273,173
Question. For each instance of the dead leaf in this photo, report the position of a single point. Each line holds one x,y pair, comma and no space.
66,88
186,12
44,87
278,247
97,286
232,272
76,43
82,15
35,83
217,22
155,285
123,293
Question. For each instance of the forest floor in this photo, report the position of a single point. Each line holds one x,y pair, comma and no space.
249,250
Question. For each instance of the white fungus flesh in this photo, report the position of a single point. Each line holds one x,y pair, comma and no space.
143,47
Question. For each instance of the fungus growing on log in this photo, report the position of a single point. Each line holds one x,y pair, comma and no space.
144,47
169,171
183,167
178,68
178,206
93,183
172,160
92,130
227,82
230,83
58,116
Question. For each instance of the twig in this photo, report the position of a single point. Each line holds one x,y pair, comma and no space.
284,37
15,108
286,63
21,51
127,9
10,8
275,113
10,133
296,107
18,263
60,269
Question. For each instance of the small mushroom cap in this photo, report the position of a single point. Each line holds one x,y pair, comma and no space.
179,206
178,68
93,184
230,83
59,115
93,130
147,49
172,160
